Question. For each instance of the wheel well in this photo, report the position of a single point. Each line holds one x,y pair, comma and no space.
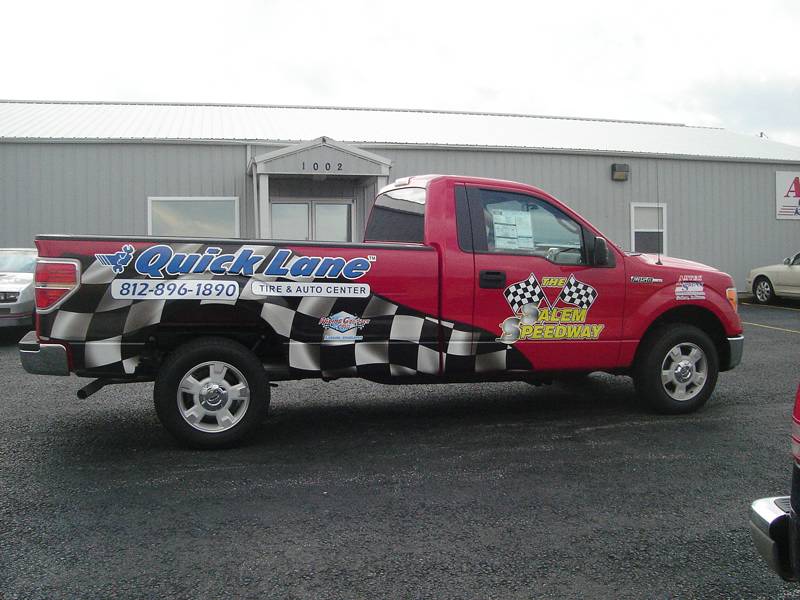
758,277
701,318
214,320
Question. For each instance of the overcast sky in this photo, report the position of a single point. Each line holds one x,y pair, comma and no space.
722,63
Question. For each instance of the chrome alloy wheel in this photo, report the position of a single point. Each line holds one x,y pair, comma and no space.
213,396
684,371
763,290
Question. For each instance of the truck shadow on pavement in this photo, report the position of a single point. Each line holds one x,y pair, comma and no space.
421,408
344,416
9,336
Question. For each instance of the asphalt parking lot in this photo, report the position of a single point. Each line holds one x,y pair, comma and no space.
356,490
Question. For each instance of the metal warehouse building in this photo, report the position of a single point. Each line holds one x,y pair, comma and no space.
715,196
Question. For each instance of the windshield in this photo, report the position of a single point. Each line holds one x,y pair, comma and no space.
17,262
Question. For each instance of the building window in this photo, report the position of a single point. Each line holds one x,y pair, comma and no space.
193,216
648,227
321,220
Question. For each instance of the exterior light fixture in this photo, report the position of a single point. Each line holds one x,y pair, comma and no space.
620,172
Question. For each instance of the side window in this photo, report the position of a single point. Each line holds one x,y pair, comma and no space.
194,216
796,260
398,216
519,224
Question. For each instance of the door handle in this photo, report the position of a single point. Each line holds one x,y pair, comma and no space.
492,280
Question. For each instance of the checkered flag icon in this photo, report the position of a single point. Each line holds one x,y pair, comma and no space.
524,292
578,293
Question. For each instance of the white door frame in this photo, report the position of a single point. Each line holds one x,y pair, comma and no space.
311,212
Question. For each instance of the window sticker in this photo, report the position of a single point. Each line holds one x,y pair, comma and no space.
512,229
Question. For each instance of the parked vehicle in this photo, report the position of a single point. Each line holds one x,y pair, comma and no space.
776,280
773,521
16,286
460,279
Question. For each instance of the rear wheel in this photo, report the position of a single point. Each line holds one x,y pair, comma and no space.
211,393
677,369
762,290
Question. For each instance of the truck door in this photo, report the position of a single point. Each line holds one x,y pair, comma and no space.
535,285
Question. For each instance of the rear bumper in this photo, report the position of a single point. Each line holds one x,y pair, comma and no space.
42,359
735,349
770,522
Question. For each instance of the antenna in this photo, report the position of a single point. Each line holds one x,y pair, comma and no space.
660,222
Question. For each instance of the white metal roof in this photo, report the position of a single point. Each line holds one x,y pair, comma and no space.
206,122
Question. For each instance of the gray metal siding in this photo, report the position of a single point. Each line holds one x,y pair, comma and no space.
719,213
103,188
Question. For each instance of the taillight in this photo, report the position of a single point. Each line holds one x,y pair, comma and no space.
55,280
733,299
796,427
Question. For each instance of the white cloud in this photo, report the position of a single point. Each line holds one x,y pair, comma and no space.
662,61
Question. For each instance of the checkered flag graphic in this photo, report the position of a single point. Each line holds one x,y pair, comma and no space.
524,292
578,293
107,334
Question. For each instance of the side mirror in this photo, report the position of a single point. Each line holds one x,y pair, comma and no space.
600,257
787,261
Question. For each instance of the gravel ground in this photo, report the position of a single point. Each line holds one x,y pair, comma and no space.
356,490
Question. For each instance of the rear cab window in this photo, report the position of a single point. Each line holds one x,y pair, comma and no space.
398,215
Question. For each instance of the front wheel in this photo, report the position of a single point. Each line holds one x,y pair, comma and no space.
762,291
211,393
677,369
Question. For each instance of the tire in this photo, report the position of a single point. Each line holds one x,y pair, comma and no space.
763,292
211,393
677,369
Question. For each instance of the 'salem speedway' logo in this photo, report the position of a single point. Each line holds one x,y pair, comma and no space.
537,318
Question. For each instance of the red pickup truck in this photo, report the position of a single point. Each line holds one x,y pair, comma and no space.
460,279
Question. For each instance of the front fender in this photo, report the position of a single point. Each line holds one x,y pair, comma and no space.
641,316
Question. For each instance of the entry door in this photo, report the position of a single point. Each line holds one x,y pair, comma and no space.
320,220
534,285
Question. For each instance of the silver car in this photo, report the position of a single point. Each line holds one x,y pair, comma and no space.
776,280
16,286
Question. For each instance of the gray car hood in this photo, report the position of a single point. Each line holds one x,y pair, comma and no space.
15,282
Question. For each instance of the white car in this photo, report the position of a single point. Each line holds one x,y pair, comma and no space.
776,280
16,286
